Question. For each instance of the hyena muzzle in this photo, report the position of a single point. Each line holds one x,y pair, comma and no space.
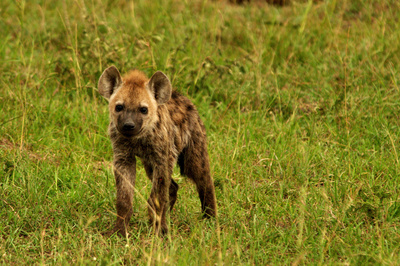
150,121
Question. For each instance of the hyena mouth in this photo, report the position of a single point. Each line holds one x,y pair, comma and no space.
130,133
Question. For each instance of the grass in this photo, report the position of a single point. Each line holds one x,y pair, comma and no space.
301,104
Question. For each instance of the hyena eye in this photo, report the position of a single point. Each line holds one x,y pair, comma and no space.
119,107
143,110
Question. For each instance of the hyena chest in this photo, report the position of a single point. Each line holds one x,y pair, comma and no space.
155,150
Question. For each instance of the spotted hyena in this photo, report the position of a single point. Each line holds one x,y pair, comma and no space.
150,121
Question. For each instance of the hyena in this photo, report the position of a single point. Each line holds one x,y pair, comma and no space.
161,127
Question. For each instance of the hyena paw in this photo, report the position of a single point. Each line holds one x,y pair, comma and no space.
120,231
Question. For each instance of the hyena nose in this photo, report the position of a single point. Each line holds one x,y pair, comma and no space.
129,127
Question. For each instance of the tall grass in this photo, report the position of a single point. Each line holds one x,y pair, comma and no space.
301,105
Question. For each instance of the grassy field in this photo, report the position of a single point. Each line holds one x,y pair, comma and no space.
301,105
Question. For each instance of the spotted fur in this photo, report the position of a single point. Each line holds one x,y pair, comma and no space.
161,127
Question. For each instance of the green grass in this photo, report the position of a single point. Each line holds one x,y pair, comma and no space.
301,105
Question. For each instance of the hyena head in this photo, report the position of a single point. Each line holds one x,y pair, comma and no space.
133,99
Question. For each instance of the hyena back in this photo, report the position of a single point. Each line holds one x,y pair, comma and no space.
161,127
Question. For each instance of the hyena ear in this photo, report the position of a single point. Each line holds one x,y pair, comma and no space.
160,86
109,81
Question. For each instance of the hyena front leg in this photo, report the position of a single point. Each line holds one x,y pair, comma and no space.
159,198
173,187
125,175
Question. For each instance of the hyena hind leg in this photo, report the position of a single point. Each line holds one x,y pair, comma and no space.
173,194
194,163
